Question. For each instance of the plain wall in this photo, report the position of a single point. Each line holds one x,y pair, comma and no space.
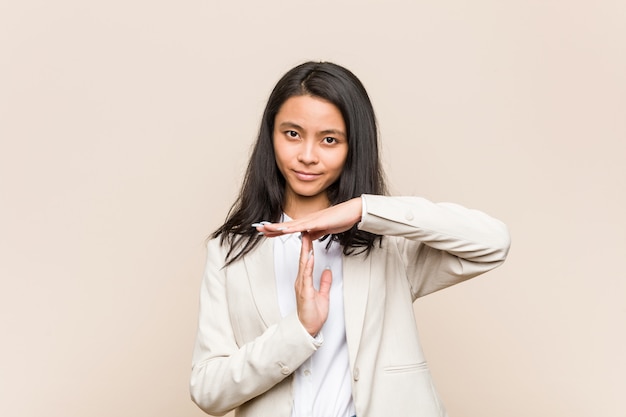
125,127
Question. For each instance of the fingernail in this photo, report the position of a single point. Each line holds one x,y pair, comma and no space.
327,267
257,224
280,229
266,222
260,234
310,254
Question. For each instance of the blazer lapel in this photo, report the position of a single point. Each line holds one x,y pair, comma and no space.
260,272
356,284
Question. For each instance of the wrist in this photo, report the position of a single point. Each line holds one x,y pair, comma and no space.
357,202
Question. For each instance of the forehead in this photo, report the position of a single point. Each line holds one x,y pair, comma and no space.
310,111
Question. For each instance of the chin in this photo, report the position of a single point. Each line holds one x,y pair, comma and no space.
308,193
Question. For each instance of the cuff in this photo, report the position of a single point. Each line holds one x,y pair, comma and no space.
316,341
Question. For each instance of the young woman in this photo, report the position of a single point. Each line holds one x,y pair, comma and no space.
306,305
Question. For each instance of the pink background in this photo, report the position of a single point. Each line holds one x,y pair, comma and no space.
125,127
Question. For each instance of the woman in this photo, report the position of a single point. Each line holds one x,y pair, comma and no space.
319,320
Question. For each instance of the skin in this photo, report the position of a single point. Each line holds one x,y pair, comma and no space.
310,143
311,147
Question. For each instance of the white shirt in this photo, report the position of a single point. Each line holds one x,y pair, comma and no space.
322,385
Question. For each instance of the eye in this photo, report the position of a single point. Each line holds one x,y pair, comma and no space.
330,140
292,133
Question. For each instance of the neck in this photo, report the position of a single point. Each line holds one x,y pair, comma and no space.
300,206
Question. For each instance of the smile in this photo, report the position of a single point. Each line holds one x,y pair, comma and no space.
306,176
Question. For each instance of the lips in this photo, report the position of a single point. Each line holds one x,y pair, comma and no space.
306,176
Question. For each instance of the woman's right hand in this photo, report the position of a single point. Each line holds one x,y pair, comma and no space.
312,305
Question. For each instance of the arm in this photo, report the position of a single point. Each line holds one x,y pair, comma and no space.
443,243
225,375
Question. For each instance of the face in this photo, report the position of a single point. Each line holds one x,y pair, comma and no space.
311,146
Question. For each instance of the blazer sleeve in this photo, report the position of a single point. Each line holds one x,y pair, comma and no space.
225,375
441,244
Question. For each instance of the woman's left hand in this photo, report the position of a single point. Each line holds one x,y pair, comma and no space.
333,220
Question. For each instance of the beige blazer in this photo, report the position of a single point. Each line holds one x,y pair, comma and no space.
245,351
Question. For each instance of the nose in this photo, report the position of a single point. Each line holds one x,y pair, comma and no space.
308,153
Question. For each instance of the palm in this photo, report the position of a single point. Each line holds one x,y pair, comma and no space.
312,305
332,220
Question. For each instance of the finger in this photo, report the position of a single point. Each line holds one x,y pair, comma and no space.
305,268
306,249
304,282
292,226
326,282
269,229
275,227
270,234
308,270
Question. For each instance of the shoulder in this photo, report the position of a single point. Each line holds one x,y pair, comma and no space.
214,243
218,251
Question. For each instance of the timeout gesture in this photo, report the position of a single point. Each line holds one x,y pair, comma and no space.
332,220
312,305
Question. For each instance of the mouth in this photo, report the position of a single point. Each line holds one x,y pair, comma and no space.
306,176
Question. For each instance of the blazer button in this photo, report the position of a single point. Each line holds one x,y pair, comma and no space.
409,216
355,374
284,369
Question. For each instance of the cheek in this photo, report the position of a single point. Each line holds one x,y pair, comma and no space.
282,158
340,160
278,154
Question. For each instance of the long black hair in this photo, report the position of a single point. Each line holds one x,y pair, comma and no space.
263,190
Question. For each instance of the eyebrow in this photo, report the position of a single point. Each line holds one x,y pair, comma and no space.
292,125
